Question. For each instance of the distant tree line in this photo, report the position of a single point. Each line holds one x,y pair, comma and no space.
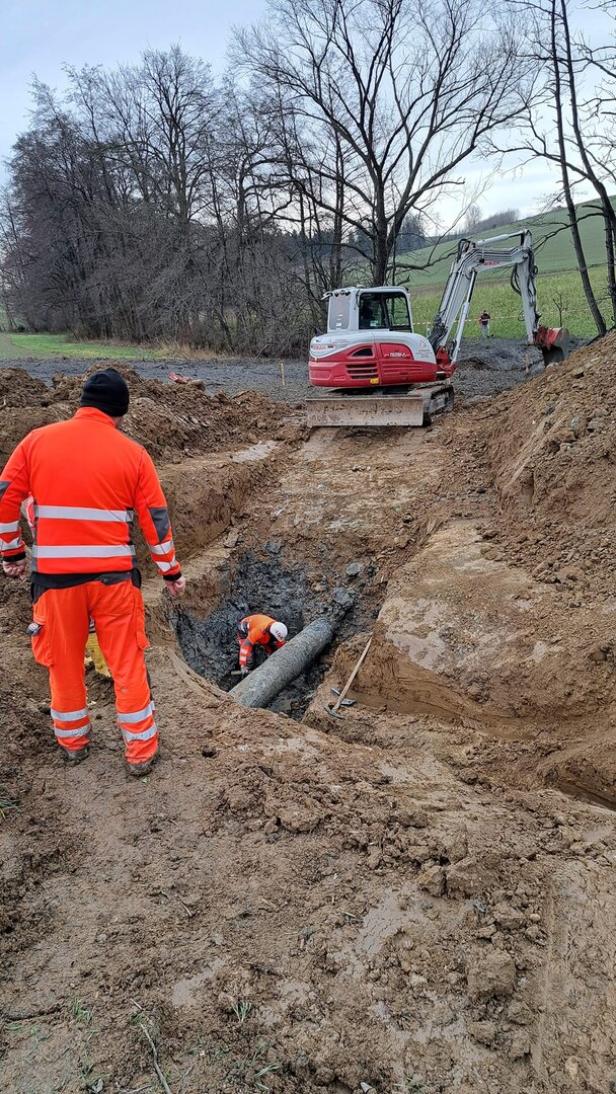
152,202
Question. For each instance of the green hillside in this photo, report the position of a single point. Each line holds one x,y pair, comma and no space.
558,282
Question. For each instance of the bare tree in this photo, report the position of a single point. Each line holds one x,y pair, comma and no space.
566,118
401,95
472,219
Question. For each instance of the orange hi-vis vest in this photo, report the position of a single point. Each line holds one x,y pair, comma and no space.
88,481
258,635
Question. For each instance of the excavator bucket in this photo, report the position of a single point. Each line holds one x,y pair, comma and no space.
414,409
553,343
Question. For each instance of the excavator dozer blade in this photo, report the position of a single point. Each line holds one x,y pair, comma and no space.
414,409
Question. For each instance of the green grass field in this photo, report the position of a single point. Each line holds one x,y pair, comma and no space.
558,282
554,291
39,346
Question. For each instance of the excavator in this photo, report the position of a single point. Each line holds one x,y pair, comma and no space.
370,342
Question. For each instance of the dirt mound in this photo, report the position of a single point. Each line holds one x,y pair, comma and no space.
19,388
172,421
551,445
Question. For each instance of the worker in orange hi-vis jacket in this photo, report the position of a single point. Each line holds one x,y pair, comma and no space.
258,630
88,480
94,654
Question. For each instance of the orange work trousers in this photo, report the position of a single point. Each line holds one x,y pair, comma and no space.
63,616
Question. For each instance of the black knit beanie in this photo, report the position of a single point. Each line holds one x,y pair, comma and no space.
107,391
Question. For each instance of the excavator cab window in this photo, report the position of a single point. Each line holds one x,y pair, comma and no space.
383,311
338,312
398,311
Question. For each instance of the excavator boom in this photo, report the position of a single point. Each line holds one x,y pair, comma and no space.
476,255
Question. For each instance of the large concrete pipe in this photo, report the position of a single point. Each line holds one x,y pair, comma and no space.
261,686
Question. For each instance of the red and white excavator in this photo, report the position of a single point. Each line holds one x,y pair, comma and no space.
370,342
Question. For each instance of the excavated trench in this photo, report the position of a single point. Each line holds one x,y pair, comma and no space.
285,590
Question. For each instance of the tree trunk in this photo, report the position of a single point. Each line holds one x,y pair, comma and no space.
562,148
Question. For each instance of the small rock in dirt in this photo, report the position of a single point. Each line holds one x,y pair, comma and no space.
508,917
578,373
270,826
354,569
432,880
343,598
486,933
482,1032
491,974
297,818
519,1045
374,858
417,981
533,933
231,540
456,845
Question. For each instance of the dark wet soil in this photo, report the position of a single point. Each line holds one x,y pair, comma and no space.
267,584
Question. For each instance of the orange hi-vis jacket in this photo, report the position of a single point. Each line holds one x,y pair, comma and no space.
258,635
88,480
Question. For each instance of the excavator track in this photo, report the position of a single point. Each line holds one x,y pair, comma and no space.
413,409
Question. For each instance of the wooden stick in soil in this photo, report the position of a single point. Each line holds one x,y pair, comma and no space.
351,678
161,1078
282,375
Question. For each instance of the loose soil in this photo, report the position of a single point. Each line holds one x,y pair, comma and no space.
415,897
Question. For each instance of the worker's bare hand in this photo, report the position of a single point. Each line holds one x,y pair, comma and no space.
177,588
15,569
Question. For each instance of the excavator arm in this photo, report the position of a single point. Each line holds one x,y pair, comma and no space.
473,256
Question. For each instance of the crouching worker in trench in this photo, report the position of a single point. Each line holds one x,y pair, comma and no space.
262,631
87,480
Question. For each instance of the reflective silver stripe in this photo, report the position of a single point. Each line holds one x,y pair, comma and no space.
12,544
12,526
136,716
145,735
77,512
164,566
62,734
83,552
163,549
69,715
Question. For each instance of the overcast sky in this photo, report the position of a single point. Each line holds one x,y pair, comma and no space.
40,36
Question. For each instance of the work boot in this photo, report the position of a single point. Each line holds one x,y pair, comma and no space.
141,769
74,756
